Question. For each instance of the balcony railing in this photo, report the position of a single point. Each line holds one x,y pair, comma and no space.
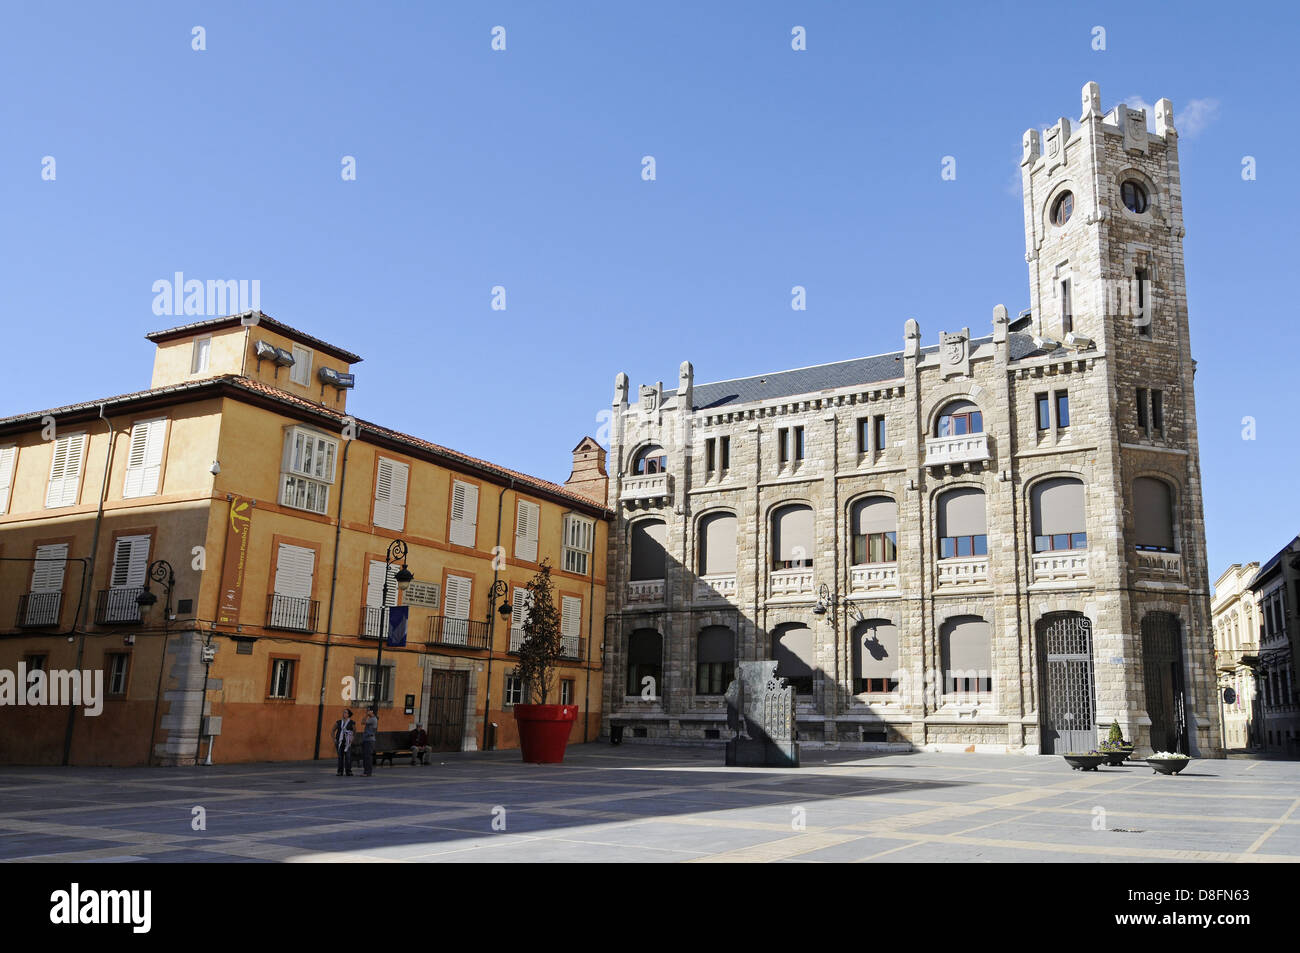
292,613
873,576
372,622
1060,565
458,633
118,606
649,486
967,448
570,645
791,582
645,591
38,609
715,587
963,571
1161,565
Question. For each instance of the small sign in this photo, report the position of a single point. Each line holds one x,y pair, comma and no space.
410,704
426,595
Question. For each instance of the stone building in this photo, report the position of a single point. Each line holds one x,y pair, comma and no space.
1276,590
1236,652
992,543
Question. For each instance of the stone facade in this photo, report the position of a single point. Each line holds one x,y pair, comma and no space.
1236,653
930,646
1276,592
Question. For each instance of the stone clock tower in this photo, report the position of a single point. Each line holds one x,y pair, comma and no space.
1103,236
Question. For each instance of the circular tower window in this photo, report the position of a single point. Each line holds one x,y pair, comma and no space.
1062,208
1134,196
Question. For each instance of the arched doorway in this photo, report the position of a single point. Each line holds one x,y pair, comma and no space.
1069,700
1162,672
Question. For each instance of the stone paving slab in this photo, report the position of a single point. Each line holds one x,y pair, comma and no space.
649,804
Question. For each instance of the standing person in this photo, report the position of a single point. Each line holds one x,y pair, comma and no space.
368,742
419,744
342,734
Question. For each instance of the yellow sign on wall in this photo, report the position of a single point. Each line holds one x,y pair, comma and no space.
235,560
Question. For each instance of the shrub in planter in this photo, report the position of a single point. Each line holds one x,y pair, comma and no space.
543,729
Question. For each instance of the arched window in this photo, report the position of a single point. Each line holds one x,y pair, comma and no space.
967,655
650,459
961,523
715,662
1134,195
874,528
1153,515
958,418
792,537
1056,507
1063,208
875,656
792,647
717,545
648,554
645,660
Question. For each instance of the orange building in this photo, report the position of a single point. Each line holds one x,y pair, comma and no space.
240,479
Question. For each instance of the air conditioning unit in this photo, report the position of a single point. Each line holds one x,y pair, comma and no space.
264,350
332,377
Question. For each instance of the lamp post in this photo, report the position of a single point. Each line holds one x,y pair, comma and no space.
160,571
498,589
403,577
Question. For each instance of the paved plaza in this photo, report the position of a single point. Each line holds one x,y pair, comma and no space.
644,803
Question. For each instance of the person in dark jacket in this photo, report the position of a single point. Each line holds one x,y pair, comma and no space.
419,744
368,738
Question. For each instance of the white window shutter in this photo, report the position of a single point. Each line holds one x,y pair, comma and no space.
527,516
51,562
571,617
130,562
457,597
65,470
375,585
390,494
522,601
464,514
144,460
294,566
8,457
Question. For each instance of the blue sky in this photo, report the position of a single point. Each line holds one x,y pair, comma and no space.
523,169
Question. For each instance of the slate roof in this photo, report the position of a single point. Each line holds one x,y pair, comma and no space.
1266,570
821,377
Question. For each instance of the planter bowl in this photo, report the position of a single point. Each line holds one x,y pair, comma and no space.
1085,762
1168,765
1117,756
544,731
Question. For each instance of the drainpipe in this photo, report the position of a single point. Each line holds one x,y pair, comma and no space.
88,581
334,579
591,619
492,616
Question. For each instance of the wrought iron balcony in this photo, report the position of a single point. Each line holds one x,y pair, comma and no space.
291,613
1061,565
873,576
966,448
118,606
36,609
962,571
645,592
716,587
458,633
647,486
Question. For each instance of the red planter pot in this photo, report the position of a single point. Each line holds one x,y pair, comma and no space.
544,731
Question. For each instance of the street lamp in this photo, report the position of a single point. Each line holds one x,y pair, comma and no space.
403,577
160,571
497,590
826,604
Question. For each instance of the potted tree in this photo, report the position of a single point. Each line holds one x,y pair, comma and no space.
1115,747
543,728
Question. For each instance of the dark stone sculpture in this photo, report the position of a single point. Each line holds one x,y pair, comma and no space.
760,709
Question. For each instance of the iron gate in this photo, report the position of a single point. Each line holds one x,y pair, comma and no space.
1069,706
1162,669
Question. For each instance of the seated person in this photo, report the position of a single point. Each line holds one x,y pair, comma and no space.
419,744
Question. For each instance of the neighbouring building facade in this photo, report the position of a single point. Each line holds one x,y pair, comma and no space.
1236,653
995,543
1276,591
274,511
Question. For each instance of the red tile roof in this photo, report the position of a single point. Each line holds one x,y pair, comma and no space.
211,324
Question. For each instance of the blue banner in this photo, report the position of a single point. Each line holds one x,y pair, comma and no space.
397,625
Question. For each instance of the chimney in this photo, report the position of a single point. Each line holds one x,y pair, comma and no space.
588,477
